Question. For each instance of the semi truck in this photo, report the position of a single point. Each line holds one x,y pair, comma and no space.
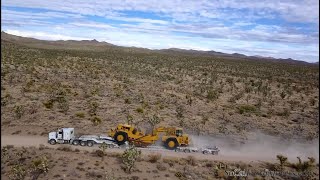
67,136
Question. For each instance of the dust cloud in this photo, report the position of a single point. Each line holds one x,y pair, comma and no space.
259,146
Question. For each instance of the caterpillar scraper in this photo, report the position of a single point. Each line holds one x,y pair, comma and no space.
173,136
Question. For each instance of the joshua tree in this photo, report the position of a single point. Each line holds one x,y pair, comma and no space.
129,157
103,147
283,160
154,120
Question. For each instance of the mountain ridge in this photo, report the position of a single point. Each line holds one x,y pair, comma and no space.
102,44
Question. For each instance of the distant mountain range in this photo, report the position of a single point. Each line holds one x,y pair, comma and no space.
85,44
235,55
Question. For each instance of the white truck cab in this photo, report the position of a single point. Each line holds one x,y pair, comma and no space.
61,136
67,136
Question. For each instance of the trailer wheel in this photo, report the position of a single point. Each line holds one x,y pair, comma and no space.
90,143
205,152
171,143
187,151
120,137
52,142
83,143
76,143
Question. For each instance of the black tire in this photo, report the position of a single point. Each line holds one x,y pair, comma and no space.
187,151
120,141
76,142
90,143
205,152
83,143
52,142
174,140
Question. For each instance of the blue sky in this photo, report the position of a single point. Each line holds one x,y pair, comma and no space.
271,28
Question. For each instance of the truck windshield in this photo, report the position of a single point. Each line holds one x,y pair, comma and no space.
134,131
178,133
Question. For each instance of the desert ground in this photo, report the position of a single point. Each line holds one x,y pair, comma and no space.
253,110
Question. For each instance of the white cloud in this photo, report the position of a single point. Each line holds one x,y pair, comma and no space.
200,24
92,25
43,35
298,11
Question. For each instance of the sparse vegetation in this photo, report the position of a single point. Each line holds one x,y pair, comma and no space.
129,158
283,160
39,166
246,109
140,110
19,111
153,158
80,114
93,85
17,172
103,147
96,120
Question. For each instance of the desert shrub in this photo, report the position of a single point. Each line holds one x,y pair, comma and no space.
65,148
303,166
259,104
93,107
283,160
312,101
248,89
153,158
94,174
284,113
103,148
236,97
99,153
80,114
209,164
170,161
48,104
42,147
5,100
180,111
127,101
4,154
212,95
189,100
33,109
229,80
17,172
154,120
191,160
63,106
96,120
19,111
204,119
139,110
161,167
129,157
180,175
129,119
246,109
39,166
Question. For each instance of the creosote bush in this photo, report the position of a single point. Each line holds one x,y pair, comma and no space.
246,109
153,158
96,120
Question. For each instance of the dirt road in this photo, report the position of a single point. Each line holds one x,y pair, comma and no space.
28,141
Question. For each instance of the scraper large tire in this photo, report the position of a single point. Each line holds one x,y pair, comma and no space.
171,143
120,137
